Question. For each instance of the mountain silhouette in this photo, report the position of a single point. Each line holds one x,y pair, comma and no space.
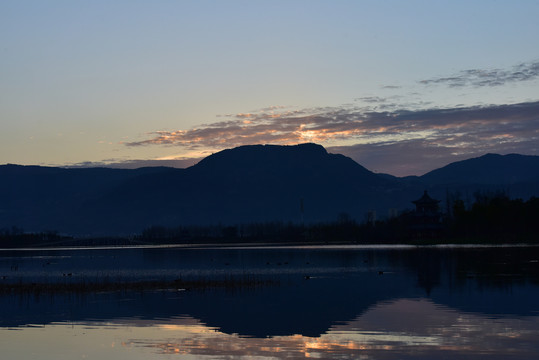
487,169
513,174
258,183
255,183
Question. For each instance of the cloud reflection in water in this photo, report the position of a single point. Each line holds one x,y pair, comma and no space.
404,328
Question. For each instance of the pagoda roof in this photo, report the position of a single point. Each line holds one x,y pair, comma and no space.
426,199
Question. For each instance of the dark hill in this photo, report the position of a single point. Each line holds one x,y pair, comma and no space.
515,175
247,184
268,163
487,169
38,198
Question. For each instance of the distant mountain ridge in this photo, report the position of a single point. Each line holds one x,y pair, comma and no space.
487,169
255,183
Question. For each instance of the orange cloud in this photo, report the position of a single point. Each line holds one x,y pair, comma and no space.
463,130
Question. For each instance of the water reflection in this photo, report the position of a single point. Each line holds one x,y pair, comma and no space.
329,303
400,329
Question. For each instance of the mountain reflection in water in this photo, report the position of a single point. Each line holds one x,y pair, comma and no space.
339,302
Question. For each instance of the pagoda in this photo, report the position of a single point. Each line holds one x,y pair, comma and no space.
426,220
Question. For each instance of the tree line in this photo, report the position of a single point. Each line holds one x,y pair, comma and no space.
491,218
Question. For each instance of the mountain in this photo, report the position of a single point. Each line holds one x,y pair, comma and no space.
514,174
487,169
39,198
256,183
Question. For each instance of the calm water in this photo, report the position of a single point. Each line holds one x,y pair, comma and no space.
326,303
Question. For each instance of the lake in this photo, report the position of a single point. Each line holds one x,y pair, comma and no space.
345,302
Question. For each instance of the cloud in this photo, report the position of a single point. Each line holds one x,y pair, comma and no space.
401,142
372,99
385,133
419,156
135,164
492,77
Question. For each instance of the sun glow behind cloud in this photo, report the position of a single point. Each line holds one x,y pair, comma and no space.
465,130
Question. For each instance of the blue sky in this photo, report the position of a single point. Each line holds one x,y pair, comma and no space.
400,86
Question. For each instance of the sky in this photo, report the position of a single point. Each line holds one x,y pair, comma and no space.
402,87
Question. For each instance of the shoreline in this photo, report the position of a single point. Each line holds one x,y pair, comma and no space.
276,245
